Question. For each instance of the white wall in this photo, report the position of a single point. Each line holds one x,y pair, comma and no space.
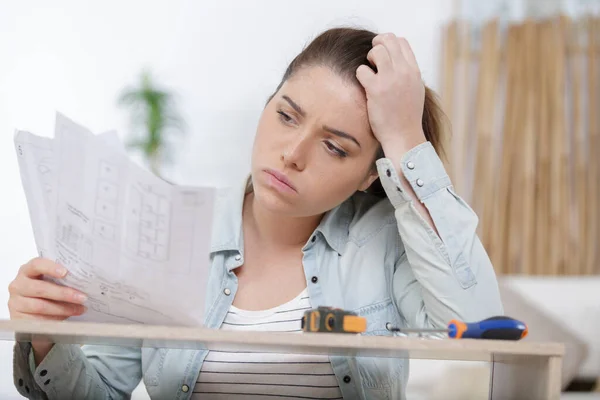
223,57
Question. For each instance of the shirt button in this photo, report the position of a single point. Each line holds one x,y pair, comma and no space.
238,257
44,372
314,279
420,182
388,173
20,382
226,291
410,165
347,379
313,239
185,388
47,382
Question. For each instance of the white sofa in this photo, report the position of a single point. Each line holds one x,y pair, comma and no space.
561,309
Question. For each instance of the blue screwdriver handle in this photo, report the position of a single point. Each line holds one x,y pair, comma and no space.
496,328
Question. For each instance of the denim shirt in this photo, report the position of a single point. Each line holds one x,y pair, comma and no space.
377,257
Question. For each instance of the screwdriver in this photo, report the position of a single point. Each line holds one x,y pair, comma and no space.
496,328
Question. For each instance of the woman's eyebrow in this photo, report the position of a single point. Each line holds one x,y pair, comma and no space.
336,132
295,106
341,134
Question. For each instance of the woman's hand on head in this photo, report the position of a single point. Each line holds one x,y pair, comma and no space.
31,297
395,93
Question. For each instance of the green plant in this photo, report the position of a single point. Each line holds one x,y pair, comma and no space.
154,119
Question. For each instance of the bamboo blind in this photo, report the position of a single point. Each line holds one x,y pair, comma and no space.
523,100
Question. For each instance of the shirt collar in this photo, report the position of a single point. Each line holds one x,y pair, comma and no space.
335,225
227,217
227,221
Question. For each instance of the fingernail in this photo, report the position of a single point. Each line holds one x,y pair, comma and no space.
81,297
61,271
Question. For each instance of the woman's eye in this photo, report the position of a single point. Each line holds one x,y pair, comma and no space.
284,117
335,150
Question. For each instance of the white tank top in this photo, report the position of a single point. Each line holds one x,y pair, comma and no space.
237,375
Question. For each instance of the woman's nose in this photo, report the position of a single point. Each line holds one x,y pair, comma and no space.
294,154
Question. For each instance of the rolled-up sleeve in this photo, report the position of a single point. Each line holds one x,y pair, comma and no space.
71,372
442,276
23,370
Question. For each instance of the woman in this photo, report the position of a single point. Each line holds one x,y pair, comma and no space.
309,228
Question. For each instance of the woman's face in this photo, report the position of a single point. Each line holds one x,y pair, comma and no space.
314,147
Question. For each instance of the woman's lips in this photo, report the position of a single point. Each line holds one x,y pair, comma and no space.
280,181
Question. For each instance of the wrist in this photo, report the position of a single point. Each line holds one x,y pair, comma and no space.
41,348
395,147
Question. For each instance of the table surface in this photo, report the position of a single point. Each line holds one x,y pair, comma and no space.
303,343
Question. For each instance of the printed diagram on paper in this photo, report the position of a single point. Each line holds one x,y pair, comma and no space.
148,224
136,245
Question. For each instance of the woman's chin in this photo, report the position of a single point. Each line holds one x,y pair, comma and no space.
273,202
270,201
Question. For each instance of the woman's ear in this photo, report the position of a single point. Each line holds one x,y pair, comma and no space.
369,179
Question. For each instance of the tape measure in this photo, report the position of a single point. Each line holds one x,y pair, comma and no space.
332,320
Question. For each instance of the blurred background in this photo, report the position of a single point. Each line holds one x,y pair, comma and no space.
519,80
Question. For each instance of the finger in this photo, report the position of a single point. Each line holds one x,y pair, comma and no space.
379,57
20,315
365,75
42,266
379,39
49,291
409,55
392,44
30,305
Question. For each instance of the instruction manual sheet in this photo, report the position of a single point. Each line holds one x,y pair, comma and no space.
137,245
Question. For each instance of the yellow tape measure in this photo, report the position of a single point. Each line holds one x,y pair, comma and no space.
332,320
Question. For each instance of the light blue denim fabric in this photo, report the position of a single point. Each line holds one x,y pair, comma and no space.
377,257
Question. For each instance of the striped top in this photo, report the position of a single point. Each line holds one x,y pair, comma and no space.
239,375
